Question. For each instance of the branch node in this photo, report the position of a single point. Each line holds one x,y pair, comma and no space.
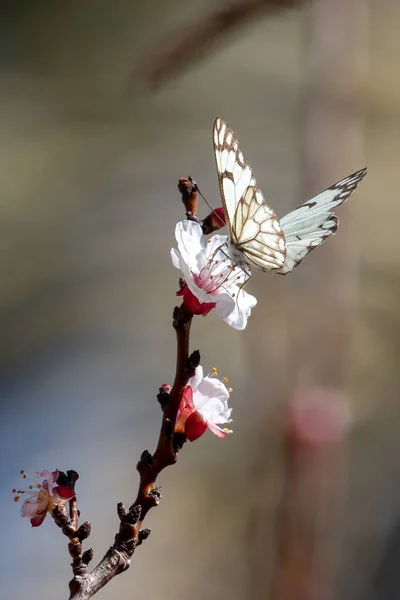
181,317
68,531
177,441
145,462
167,428
87,556
188,189
156,494
146,457
75,548
67,479
130,516
193,362
83,531
143,535
61,517
75,585
122,511
135,513
164,395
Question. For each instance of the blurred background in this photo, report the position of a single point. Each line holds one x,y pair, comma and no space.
98,124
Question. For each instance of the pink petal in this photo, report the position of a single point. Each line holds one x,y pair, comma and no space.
38,520
181,420
195,426
216,430
187,399
64,492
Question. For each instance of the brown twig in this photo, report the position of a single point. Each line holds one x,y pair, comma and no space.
198,38
189,192
150,466
130,535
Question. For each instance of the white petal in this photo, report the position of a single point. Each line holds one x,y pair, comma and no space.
186,272
214,411
195,381
175,255
212,387
241,312
189,236
217,242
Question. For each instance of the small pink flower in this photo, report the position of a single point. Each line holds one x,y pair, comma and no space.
204,405
44,496
212,280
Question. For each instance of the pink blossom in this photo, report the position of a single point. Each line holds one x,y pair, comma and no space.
44,496
212,280
204,405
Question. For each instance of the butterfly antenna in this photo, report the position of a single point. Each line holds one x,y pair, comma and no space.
210,207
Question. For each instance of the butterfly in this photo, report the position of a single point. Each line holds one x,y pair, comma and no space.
257,237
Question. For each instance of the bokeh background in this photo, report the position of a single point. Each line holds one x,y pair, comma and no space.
90,156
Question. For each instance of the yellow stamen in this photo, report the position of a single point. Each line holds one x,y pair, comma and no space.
227,430
225,379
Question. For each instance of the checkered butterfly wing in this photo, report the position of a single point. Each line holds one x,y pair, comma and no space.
312,223
253,226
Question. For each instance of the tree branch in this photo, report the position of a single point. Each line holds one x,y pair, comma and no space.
130,535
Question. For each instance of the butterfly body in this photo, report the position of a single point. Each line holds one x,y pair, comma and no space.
257,237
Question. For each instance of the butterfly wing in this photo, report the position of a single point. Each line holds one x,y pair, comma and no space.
313,222
254,230
257,234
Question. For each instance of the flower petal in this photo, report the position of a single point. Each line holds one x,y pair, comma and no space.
187,398
211,275
195,426
175,255
189,236
216,430
196,380
63,493
237,318
38,520
213,388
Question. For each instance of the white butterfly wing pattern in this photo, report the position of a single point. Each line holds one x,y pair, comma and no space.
313,222
256,237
